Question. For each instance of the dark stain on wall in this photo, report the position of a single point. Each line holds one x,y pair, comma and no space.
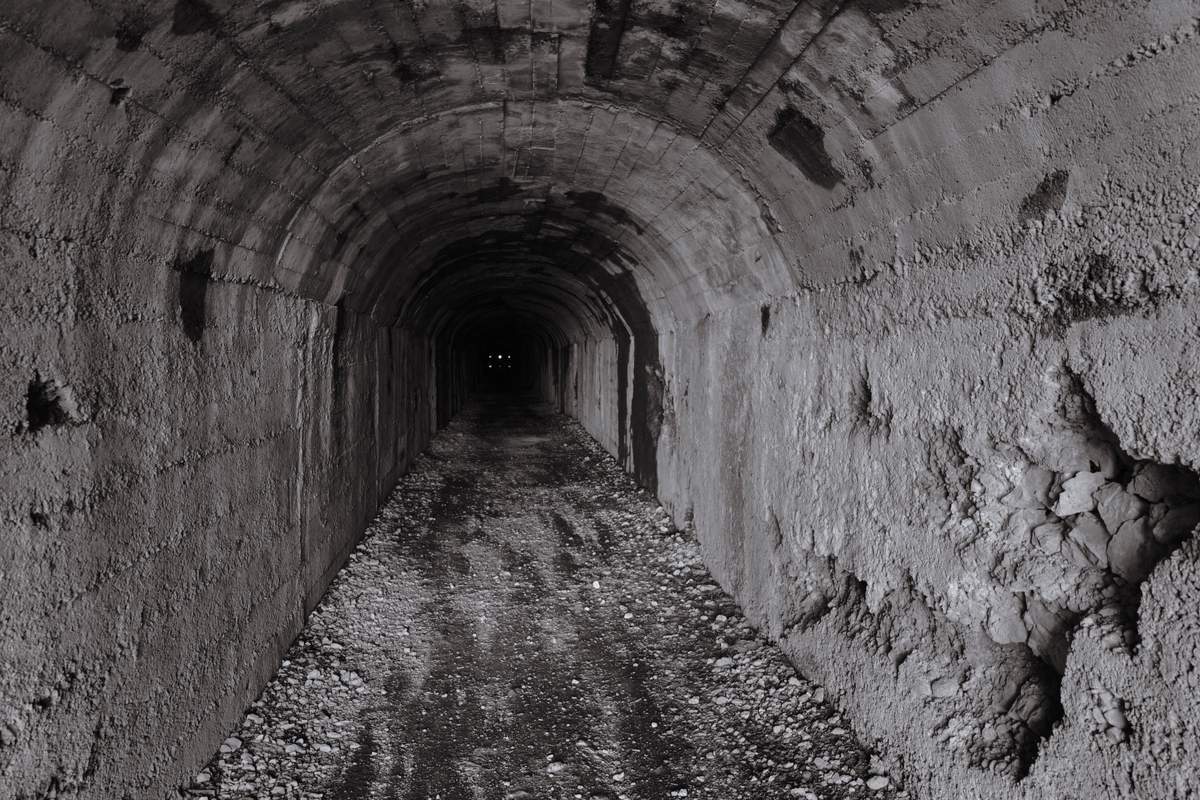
598,203
609,18
699,59
492,44
802,142
192,17
648,402
886,6
682,23
1047,198
130,31
488,44
341,350
411,65
623,348
646,393
501,190
195,275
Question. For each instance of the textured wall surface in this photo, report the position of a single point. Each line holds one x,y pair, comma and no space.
893,301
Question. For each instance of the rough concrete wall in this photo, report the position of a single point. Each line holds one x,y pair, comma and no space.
956,488
186,460
192,437
592,389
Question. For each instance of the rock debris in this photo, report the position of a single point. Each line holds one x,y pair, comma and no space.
521,621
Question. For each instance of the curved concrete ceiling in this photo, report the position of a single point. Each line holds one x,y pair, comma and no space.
689,144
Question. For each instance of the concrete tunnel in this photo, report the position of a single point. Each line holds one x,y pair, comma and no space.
892,303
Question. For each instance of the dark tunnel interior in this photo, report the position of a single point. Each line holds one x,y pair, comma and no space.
548,285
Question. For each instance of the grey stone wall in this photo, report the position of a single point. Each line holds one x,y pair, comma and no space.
967,490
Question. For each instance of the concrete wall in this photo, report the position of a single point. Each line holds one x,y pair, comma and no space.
187,458
174,505
957,486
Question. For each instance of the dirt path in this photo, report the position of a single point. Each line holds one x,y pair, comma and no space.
522,622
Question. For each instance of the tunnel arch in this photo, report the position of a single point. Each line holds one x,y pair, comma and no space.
610,230
862,254
634,207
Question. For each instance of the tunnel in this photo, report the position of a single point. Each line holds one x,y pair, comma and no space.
889,305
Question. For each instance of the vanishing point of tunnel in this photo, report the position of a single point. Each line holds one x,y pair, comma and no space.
601,399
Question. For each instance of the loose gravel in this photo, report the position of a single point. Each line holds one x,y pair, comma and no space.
521,621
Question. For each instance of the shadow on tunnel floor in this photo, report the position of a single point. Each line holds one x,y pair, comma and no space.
523,622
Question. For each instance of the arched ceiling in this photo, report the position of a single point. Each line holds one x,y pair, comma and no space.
709,151
649,211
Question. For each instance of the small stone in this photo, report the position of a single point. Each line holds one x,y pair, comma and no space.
231,745
1092,534
1048,537
1131,552
1116,717
1004,621
1078,554
1117,506
1033,490
1077,494
944,686
877,782
1177,523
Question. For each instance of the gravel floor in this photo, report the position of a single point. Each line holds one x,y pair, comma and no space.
522,622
